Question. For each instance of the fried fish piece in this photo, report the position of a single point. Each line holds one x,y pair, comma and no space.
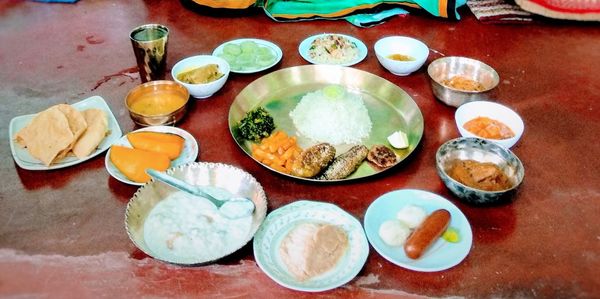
313,160
201,75
382,156
345,164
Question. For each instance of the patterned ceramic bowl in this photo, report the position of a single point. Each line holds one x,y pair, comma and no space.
480,150
233,179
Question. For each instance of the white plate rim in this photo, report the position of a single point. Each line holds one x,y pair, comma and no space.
305,45
360,241
429,201
19,122
278,53
189,155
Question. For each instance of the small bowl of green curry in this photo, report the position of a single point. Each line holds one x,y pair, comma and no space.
202,75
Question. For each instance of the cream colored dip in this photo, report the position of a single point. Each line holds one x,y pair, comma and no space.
312,249
186,229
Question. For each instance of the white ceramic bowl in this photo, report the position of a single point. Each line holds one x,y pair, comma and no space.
401,45
201,91
501,113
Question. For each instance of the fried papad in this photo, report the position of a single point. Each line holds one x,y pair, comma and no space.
47,135
77,125
97,127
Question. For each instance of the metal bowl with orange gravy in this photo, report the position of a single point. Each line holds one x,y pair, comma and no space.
160,102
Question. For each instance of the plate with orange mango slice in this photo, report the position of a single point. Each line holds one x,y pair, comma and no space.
156,147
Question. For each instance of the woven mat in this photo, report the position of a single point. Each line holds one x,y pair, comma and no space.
499,12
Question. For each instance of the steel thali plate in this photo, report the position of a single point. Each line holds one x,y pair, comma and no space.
390,108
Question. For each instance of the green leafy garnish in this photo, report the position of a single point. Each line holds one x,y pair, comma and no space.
257,124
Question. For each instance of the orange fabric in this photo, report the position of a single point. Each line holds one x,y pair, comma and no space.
442,6
240,4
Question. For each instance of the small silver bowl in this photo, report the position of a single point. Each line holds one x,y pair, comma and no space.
447,67
480,150
235,180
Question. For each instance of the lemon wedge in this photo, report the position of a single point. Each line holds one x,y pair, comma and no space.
451,235
333,91
398,140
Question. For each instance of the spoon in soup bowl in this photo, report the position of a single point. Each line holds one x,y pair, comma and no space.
227,204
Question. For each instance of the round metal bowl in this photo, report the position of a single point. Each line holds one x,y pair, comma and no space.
166,90
481,150
447,67
235,180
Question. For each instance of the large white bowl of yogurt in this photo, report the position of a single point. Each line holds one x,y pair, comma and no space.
173,226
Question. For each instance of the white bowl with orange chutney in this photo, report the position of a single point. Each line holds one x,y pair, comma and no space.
155,103
490,121
401,55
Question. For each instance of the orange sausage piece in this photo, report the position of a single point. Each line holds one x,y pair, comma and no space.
427,233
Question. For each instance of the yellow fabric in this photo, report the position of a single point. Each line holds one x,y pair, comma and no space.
443,8
234,4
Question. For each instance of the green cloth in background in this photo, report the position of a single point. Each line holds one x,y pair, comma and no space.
363,13
288,10
374,18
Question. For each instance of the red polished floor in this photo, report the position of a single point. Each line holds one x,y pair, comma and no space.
62,232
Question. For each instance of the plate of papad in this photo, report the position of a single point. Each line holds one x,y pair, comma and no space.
26,161
189,153
280,222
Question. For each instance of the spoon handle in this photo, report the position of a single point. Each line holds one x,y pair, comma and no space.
181,185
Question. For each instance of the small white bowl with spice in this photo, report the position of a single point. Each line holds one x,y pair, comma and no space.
201,75
401,55
490,121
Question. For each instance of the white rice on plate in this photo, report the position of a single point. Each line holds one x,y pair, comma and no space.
332,115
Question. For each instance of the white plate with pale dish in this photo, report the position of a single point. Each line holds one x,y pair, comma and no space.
324,49
189,153
442,254
279,224
26,161
271,50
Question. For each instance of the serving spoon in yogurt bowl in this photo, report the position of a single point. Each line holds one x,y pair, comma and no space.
227,204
